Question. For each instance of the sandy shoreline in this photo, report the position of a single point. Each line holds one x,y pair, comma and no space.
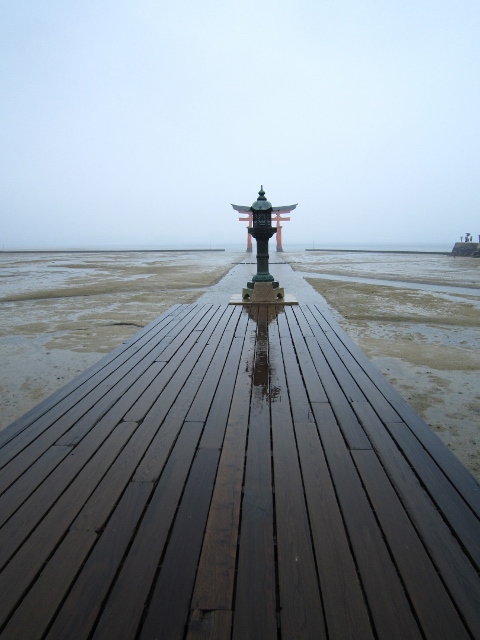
60,314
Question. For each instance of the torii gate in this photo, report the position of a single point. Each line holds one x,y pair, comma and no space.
276,211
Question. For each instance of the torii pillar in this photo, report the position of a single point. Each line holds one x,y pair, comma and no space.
276,211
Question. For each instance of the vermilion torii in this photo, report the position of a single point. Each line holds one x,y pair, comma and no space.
276,211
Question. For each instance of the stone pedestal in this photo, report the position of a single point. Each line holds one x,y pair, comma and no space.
263,292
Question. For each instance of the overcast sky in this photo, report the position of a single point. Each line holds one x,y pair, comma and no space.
138,122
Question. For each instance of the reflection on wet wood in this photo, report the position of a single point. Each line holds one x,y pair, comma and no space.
235,473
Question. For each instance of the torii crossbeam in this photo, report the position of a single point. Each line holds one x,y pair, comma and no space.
276,217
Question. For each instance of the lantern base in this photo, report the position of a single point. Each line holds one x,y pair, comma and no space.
263,292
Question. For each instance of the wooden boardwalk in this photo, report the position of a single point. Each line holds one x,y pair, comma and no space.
235,473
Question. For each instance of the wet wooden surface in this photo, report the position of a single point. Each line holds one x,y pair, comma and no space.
235,473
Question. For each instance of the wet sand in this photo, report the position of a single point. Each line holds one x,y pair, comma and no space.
425,338
61,313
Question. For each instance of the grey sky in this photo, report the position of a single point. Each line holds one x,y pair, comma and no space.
121,122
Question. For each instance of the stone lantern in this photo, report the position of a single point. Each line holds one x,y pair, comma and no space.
263,287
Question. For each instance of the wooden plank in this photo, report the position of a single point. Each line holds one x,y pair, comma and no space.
438,617
29,559
121,398
100,367
345,610
348,384
83,604
216,421
83,414
201,405
172,415
351,428
79,389
459,476
168,612
459,576
209,625
196,325
255,600
300,602
124,607
216,570
169,607
180,365
312,383
118,401
343,600
14,497
102,501
33,616
365,384
294,383
462,520
388,604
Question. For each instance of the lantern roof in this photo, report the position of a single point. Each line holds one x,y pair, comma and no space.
261,203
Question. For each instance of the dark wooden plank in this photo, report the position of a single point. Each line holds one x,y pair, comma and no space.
293,333
349,386
18,492
102,501
345,610
300,602
36,506
100,367
343,600
464,522
457,572
347,420
460,477
124,608
216,421
81,608
366,385
210,625
171,416
83,414
294,383
255,599
23,568
34,614
169,607
181,364
203,400
80,389
197,324
133,398
388,603
216,571
438,617
118,401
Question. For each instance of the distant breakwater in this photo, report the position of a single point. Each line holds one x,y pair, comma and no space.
428,253
110,250
466,249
